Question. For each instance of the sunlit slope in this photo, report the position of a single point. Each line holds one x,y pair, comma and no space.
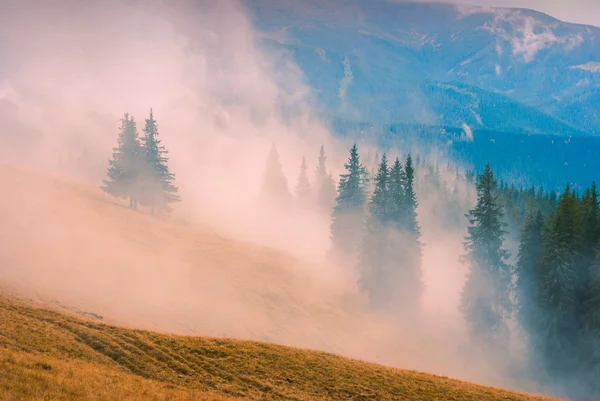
74,250
76,247
46,354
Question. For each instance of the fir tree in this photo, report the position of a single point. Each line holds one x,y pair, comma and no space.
485,300
590,289
397,195
390,258
591,327
527,272
407,242
410,198
590,238
528,263
374,264
303,192
274,190
126,164
347,215
557,323
157,187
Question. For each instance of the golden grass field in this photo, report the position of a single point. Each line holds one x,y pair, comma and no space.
80,275
47,355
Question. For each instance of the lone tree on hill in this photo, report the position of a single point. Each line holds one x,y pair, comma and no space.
126,164
157,188
138,168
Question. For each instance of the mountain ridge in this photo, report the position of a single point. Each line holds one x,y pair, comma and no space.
367,60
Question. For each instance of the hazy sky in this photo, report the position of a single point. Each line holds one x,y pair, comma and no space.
580,11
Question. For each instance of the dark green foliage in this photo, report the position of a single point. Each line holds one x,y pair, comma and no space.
411,224
558,291
126,164
157,187
591,328
557,324
485,301
590,236
348,212
527,272
528,263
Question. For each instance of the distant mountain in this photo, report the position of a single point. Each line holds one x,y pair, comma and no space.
384,61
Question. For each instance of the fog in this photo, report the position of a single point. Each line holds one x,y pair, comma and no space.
222,264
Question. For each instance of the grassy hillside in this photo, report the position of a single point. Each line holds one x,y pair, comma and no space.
77,268
46,355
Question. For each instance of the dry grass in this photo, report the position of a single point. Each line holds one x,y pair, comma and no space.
46,355
27,376
73,249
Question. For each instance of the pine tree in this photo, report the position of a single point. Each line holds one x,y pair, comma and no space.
528,263
374,265
591,327
485,300
157,187
397,197
589,289
126,164
324,189
527,273
348,212
274,190
407,240
590,238
557,323
410,198
303,192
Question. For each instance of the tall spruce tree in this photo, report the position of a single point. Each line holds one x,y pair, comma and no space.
126,164
348,212
527,276
390,257
590,290
324,188
157,188
303,192
407,245
397,196
591,327
374,263
485,299
528,263
411,224
590,239
557,323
